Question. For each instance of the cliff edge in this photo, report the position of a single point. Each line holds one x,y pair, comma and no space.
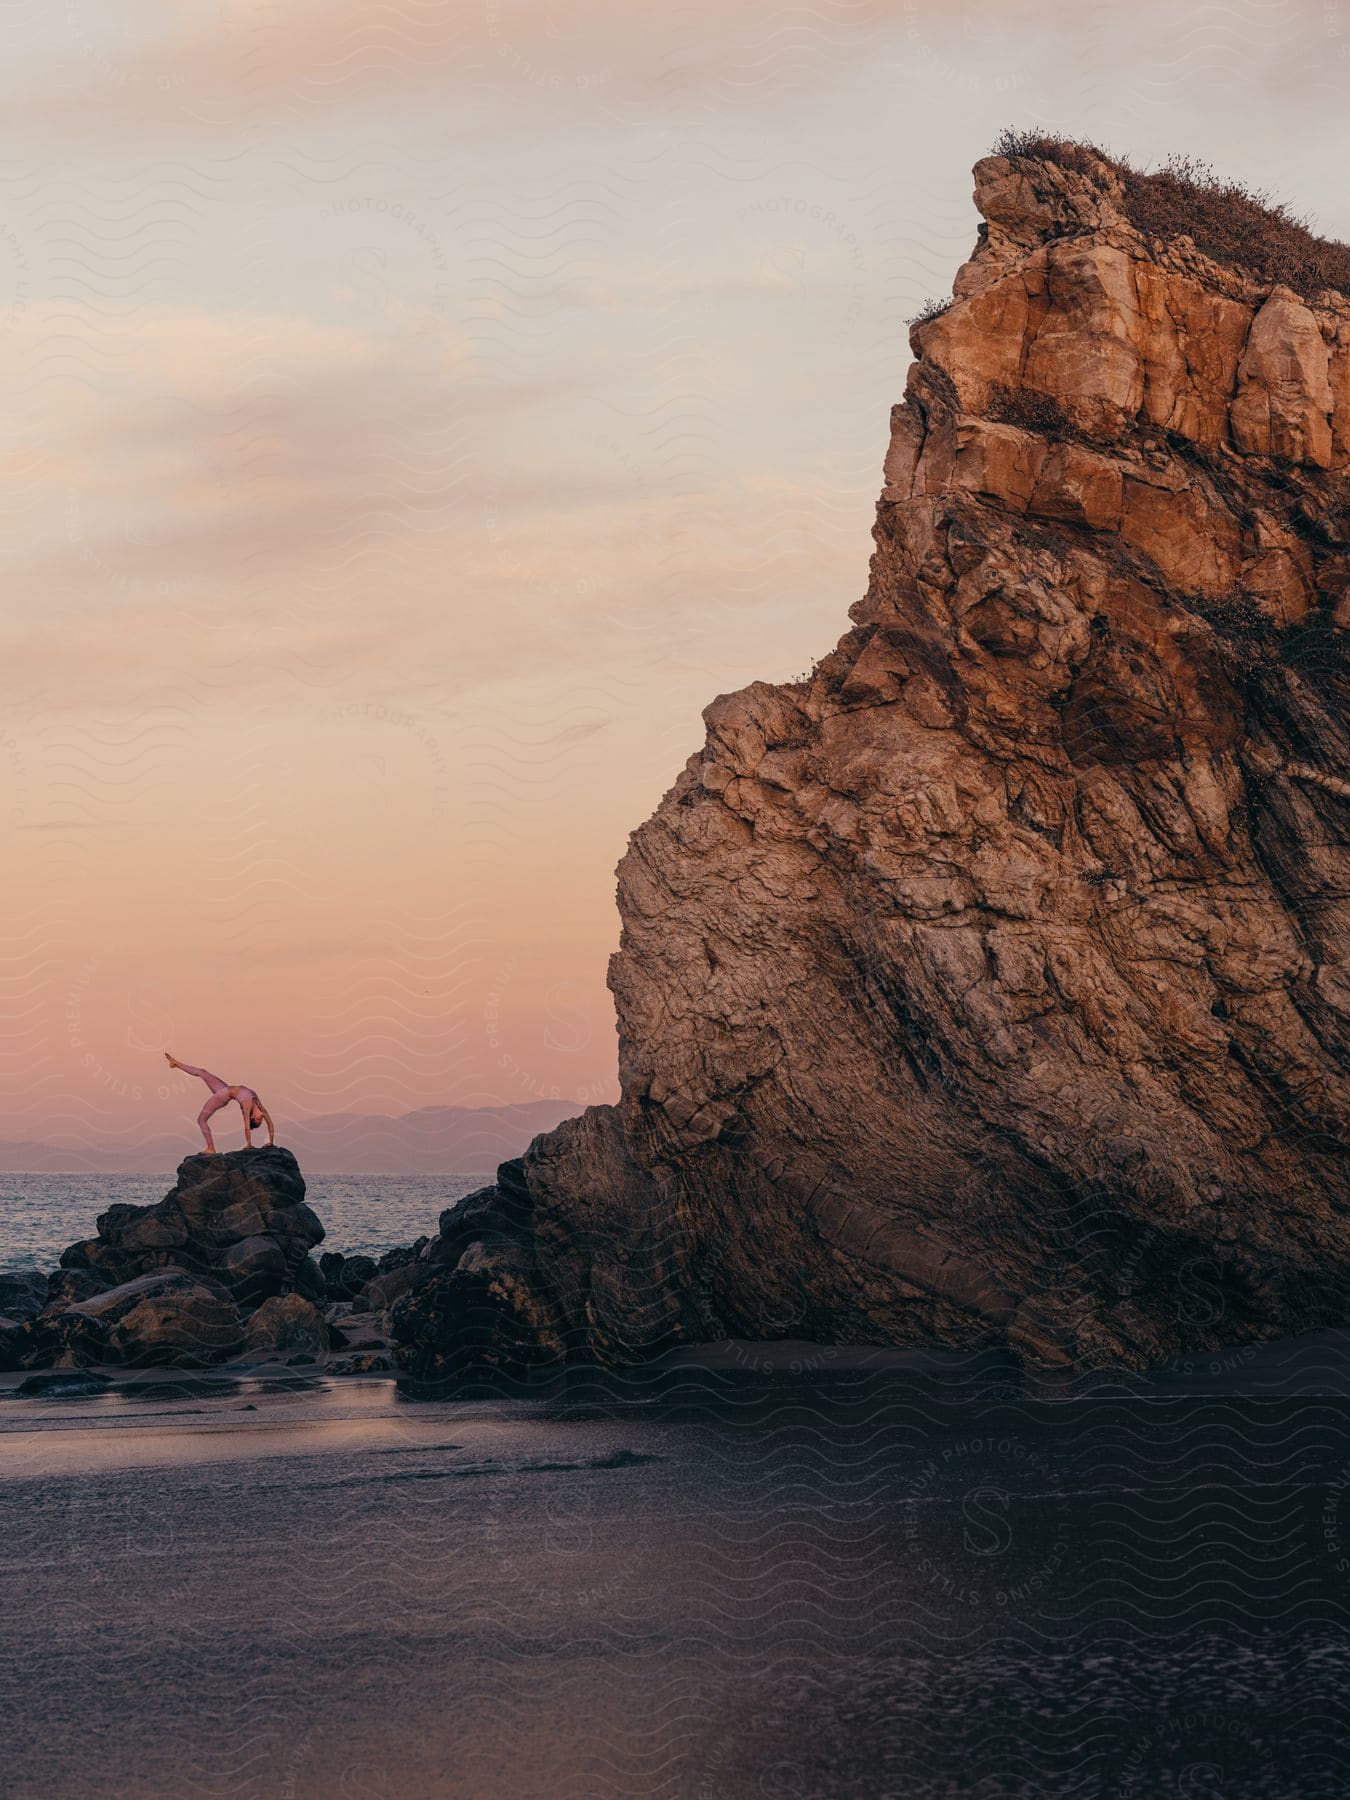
989,984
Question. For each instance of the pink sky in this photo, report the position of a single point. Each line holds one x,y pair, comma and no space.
415,413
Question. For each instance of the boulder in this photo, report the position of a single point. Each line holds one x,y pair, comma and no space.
67,1287
286,1327
58,1340
23,1293
239,1219
345,1276
401,1254
13,1342
362,1331
185,1330
65,1384
112,1304
490,1312
171,1283
254,1267
380,1293
100,1257
308,1280
167,1316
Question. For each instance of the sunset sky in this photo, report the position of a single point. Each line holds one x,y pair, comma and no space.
415,413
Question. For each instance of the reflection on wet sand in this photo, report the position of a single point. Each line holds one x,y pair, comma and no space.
854,1578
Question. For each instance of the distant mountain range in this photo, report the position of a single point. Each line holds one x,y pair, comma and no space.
434,1140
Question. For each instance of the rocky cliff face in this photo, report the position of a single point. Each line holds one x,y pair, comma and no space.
989,984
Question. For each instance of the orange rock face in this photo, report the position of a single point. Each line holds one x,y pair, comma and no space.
989,985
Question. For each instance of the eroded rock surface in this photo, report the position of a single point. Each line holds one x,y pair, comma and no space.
167,1316
239,1218
174,1283
989,984
287,1327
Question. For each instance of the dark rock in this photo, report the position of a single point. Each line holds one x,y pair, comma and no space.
489,1313
154,1233
299,1222
366,1362
102,1258
185,1331
345,1276
505,1210
167,1316
67,1287
23,1293
61,1340
309,1281
379,1294
113,1304
254,1267
64,1384
170,1283
287,1325
13,1342
400,1255
239,1218
363,1331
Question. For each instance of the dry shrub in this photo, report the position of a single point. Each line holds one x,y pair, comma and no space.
932,308
1228,221
1029,409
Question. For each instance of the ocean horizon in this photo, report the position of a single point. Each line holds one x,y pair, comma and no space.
363,1213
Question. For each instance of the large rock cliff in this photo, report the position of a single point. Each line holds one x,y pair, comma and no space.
989,983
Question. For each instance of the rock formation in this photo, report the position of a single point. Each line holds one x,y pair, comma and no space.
193,1279
287,1325
238,1218
988,984
165,1316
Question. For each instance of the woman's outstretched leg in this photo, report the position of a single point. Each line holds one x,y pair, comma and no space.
212,1081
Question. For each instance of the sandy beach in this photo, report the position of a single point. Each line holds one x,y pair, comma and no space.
878,1575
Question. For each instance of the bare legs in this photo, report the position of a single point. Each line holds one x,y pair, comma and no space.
221,1095
212,1081
213,1105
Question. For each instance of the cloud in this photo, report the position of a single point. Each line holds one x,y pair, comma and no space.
273,507
238,62
241,63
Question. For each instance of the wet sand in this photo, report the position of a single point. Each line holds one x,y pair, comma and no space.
868,1577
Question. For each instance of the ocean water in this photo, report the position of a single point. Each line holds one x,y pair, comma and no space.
41,1214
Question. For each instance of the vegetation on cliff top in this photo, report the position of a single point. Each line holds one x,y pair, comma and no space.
1227,220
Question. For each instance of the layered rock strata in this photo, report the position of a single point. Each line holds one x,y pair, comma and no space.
989,984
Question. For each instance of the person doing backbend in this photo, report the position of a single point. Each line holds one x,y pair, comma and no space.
255,1113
